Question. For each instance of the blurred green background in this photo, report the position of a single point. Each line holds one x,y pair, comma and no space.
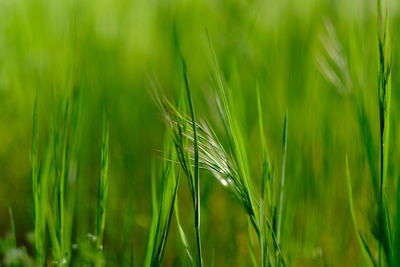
110,52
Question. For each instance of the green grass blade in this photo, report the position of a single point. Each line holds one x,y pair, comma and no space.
13,239
235,135
102,190
195,183
384,96
264,184
283,176
182,234
384,90
196,167
39,225
363,245
396,246
162,213
171,194
153,225
251,244
279,210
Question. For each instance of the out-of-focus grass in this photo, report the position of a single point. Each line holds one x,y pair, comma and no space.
107,55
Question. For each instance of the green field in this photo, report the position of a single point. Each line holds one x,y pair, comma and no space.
199,133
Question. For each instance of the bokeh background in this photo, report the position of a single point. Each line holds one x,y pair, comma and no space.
112,51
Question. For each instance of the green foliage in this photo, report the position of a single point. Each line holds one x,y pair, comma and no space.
381,223
78,131
103,188
162,216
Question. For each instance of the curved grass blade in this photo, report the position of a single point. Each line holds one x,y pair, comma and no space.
39,224
282,185
265,185
251,244
102,191
363,244
154,219
193,174
235,135
161,212
182,234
